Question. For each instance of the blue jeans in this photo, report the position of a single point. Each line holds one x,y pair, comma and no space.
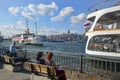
12,54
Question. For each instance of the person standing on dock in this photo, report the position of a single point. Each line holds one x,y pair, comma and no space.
12,49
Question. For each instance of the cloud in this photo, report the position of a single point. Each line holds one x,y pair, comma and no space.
67,11
32,8
31,11
43,9
29,15
21,25
14,10
10,29
78,19
47,31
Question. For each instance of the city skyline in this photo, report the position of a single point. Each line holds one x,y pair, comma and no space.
52,16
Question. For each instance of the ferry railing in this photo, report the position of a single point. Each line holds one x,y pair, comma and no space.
102,5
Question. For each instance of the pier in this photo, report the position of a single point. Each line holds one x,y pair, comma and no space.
76,66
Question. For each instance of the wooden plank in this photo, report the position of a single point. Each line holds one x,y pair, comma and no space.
27,66
43,69
35,68
7,59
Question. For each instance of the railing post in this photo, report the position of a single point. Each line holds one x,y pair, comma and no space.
115,67
110,66
81,62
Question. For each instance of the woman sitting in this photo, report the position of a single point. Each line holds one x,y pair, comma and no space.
50,62
39,58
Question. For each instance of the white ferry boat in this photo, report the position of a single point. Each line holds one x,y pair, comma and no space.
104,33
27,38
38,40
23,38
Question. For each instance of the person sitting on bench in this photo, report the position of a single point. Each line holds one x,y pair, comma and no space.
39,58
50,62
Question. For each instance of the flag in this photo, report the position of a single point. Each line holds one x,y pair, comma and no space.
87,24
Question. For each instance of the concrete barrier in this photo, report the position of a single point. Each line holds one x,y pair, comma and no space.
38,77
71,75
76,75
12,68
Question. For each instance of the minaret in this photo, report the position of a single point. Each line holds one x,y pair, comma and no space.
68,31
27,29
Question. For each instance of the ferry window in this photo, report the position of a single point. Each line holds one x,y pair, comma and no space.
106,43
108,21
103,26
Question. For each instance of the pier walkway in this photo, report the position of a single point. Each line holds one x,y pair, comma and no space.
7,75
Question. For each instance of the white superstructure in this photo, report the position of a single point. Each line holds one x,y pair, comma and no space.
104,33
38,40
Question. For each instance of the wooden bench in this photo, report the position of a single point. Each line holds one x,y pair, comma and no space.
42,70
10,63
5,59
11,60
2,58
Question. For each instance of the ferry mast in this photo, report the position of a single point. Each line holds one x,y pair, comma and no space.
27,29
36,27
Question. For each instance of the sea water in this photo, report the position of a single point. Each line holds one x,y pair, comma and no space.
71,47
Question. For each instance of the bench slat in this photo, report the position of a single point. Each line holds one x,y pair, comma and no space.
7,59
27,66
35,68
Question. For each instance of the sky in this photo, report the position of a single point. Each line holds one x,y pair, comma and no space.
52,16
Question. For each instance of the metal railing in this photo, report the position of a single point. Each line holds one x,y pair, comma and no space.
3,50
102,5
103,67
88,64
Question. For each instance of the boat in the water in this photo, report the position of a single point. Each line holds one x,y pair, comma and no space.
27,38
37,40
104,33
